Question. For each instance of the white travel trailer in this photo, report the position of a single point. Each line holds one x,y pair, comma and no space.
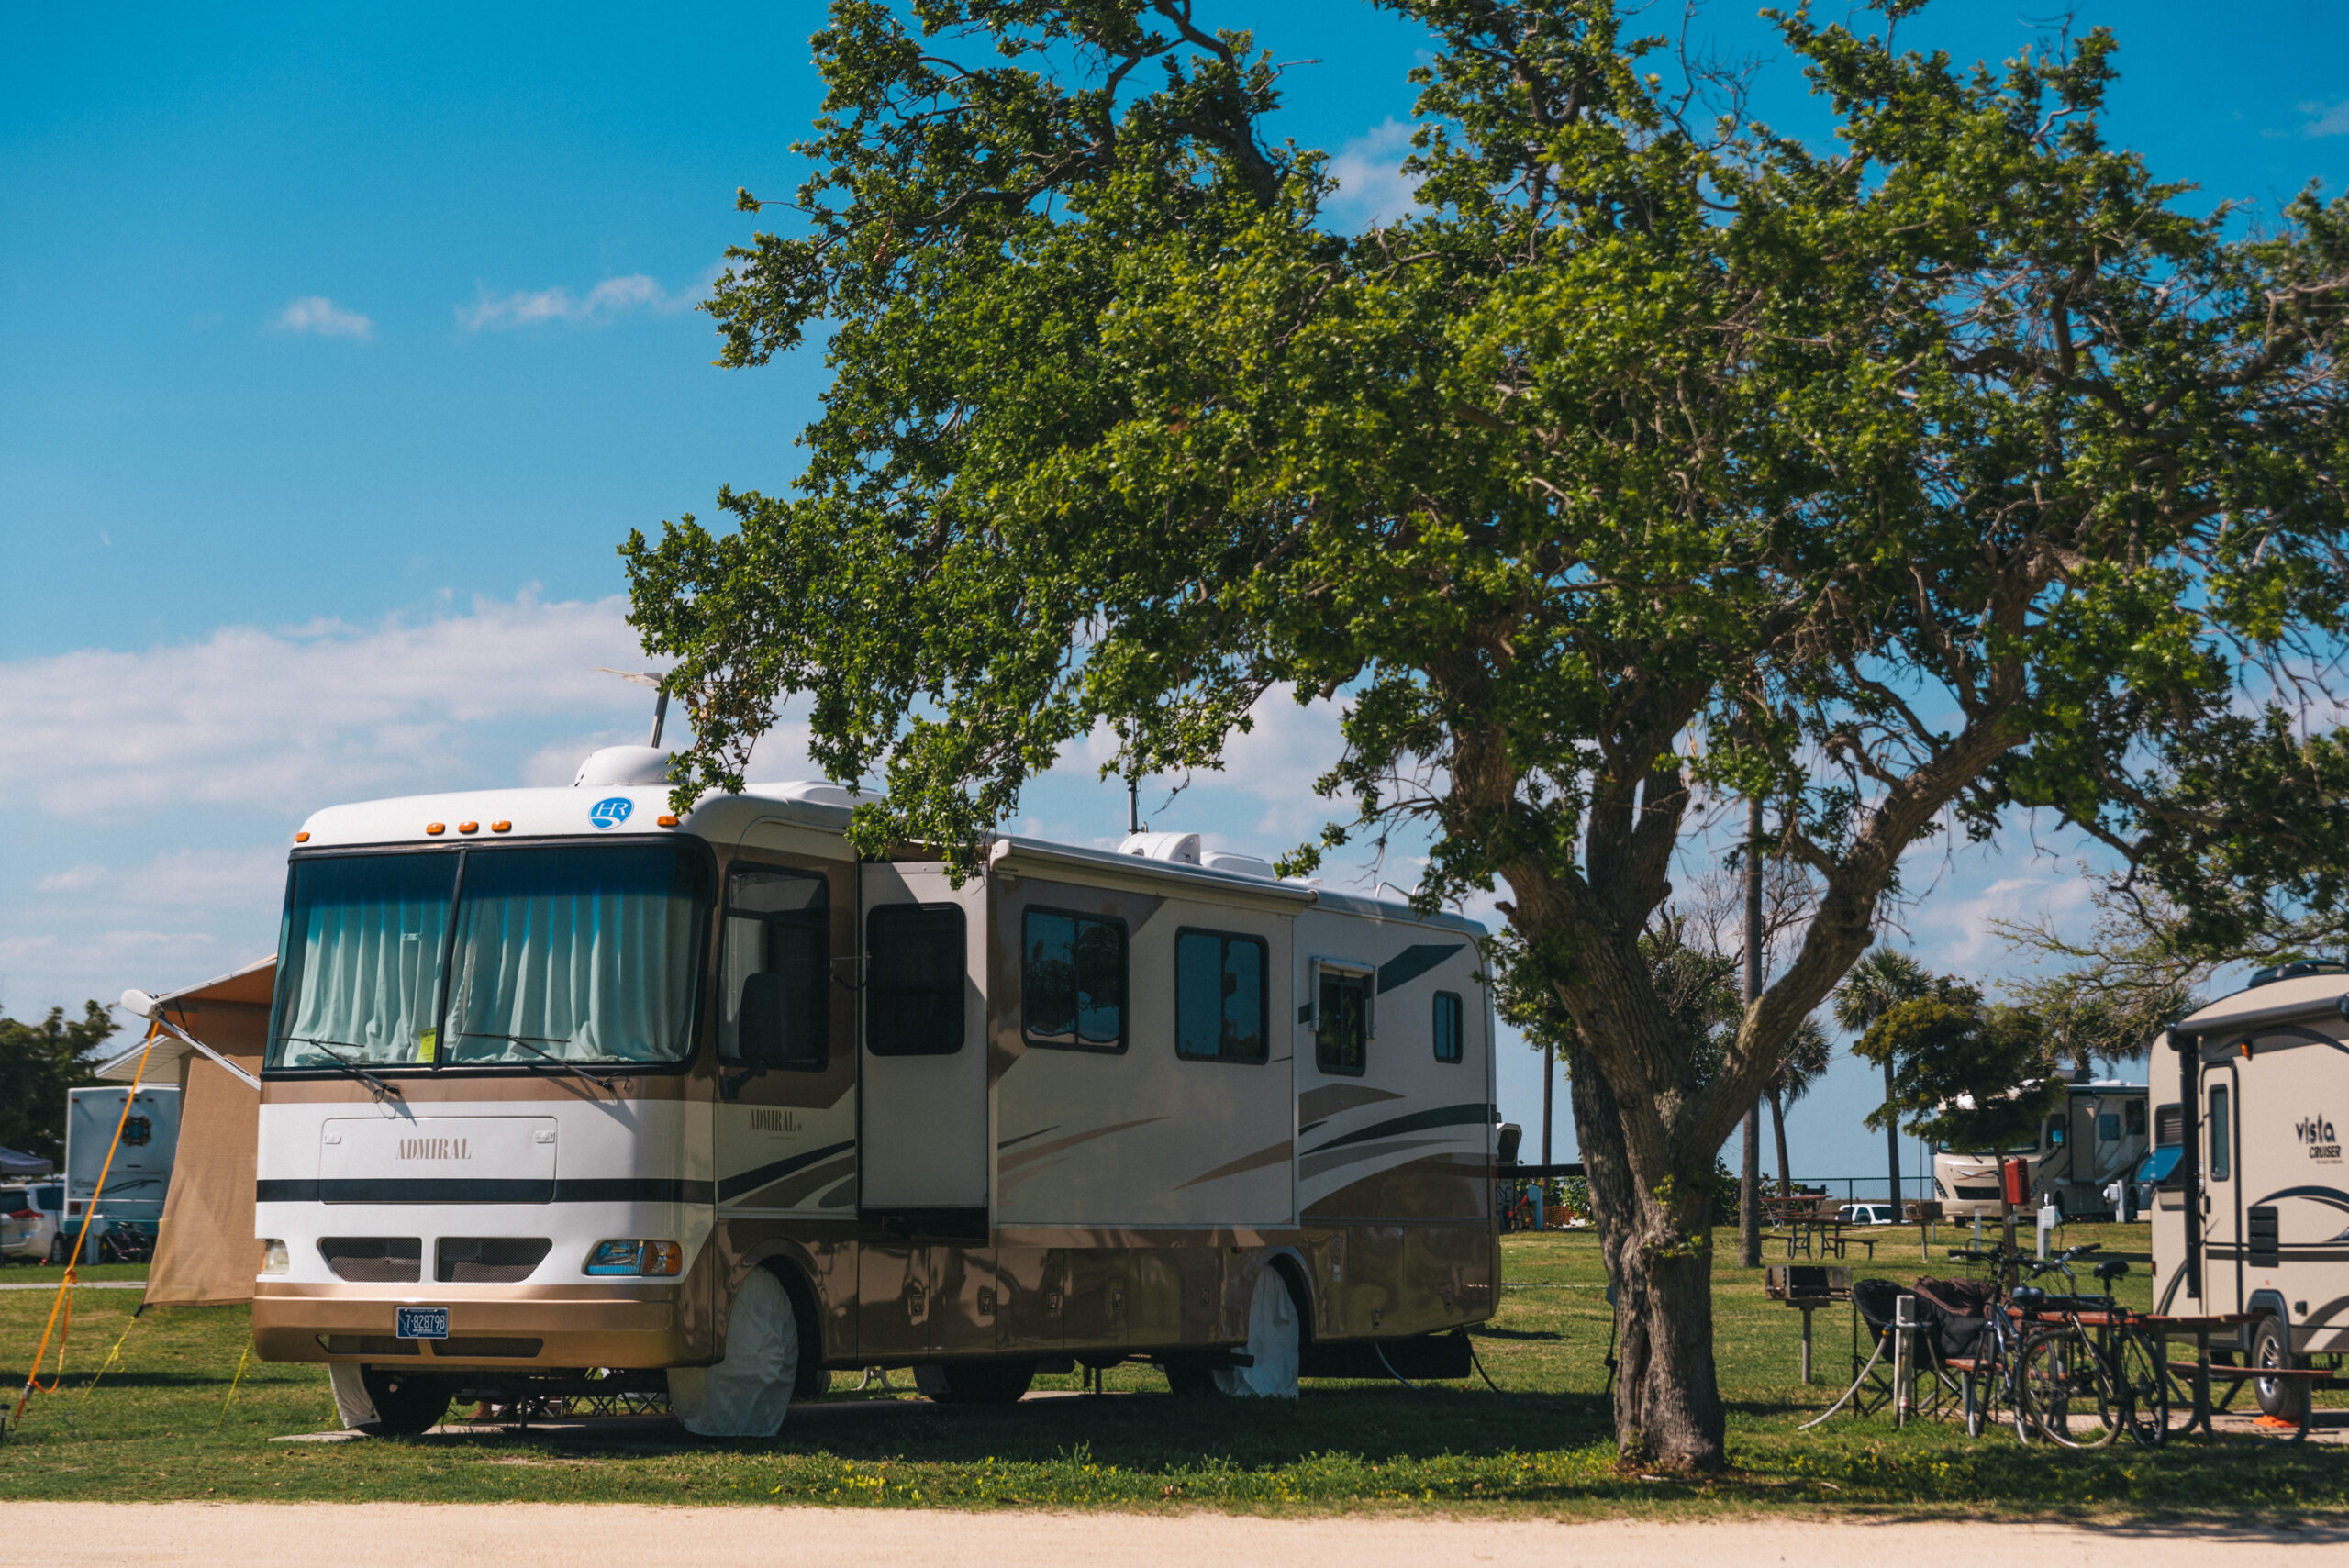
2251,1204
558,1081
140,1174
2099,1136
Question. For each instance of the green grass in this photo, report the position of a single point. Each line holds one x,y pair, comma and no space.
159,1425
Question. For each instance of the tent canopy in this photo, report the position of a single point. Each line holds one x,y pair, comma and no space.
205,1254
18,1166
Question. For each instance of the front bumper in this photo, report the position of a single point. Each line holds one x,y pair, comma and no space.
519,1327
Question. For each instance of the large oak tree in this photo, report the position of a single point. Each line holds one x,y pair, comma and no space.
1900,481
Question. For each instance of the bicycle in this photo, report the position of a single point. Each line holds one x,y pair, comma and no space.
1990,1380
2086,1382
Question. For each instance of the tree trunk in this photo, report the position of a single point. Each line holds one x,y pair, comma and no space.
1658,1253
1749,1165
1549,1080
1891,1143
1778,1127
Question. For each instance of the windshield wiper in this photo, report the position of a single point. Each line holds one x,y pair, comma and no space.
527,1042
381,1088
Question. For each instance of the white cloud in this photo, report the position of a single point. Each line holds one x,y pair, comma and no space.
320,316
528,307
1959,934
179,879
288,719
1372,187
2325,119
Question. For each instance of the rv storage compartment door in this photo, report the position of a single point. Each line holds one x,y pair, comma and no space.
923,1134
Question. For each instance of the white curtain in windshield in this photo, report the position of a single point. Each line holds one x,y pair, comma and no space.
575,954
365,959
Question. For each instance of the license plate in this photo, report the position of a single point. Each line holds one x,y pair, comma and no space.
424,1323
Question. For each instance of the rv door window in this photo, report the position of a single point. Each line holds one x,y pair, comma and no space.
1342,1023
1220,1002
1072,979
914,994
2222,1136
779,922
1447,1027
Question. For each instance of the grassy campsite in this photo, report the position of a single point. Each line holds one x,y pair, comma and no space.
160,1422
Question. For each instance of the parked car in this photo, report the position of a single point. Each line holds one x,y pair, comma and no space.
28,1222
1866,1214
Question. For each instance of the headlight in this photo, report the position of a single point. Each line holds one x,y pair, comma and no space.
274,1258
653,1258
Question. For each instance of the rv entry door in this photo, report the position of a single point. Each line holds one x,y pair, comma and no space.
923,1059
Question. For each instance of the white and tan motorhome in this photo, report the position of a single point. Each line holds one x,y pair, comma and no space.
558,1081
2251,1212
2099,1136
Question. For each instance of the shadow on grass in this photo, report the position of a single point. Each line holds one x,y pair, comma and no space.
1132,1431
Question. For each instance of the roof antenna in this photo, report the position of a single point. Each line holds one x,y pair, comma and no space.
660,698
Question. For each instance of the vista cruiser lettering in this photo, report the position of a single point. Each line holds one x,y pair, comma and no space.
433,1149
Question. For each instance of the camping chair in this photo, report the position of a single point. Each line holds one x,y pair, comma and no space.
1876,1381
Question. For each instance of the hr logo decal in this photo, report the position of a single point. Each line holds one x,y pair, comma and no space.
611,811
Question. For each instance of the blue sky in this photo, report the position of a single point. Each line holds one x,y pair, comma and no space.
340,346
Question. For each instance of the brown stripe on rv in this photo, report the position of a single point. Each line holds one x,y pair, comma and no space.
1270,1154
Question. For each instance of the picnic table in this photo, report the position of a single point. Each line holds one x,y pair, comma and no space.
2171,1327
1814,1234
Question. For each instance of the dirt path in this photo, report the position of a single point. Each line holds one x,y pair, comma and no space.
514,1535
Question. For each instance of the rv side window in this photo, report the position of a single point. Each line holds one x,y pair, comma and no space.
1219,997
1342,1023
2055,1132
1072,979
2132,1114
1447,1027
2107,1127
2169,1126
2222,1150
914,995
779,922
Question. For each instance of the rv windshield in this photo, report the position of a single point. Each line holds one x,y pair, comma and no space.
490,957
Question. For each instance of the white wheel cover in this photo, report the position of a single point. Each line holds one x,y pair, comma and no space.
1272,1341
746,1394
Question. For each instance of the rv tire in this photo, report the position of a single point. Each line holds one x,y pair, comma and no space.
405,1403
2271,1346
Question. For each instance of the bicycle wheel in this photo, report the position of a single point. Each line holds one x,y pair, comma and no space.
2144,1386
2067,1391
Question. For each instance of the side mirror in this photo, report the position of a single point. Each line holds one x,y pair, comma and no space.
759,1025
1512,1137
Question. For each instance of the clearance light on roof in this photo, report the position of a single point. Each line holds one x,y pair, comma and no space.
501,826
436,829
303,837
666,821
467,826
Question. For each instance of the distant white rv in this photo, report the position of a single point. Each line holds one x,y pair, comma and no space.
2099,1136
566,1094
2252,1209
140,1173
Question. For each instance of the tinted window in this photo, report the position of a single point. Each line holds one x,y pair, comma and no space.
2222,1138
779,922
1219,1005
2133,1114
1447,1027
914,996
1342,1018
1072,979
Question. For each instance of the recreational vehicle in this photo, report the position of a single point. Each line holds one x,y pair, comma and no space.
2097,1136
2251,1213
137,1168
558,1080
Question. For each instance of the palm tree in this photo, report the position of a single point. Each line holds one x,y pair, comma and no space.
1874,987
1807,1057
